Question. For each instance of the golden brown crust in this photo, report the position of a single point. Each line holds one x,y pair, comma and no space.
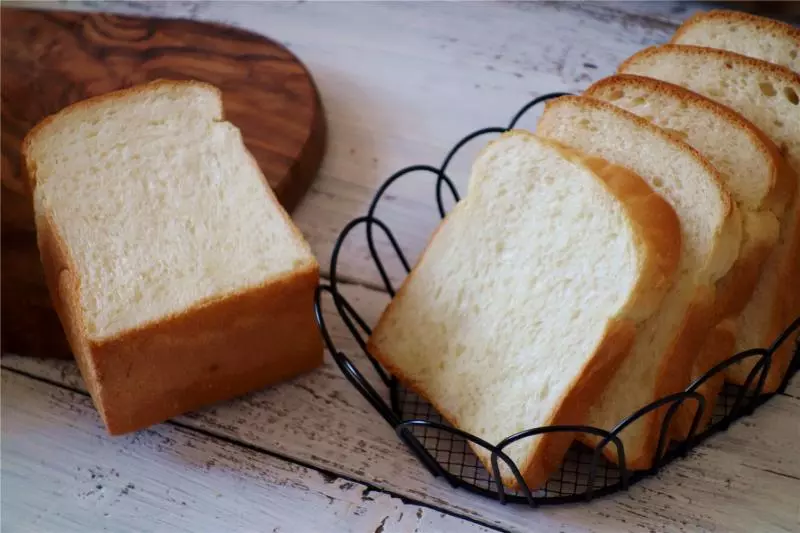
785,74
673,376
676,368
735,289
780,198
718,346
203,355
210,352
786,308
656,224
760,24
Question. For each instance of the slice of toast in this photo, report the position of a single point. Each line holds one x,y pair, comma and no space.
512,322
668,343
750,35
768,96
179,279
752,169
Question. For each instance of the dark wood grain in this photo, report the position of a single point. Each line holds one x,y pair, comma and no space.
52,59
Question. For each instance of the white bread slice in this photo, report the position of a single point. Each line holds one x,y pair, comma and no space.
768,96
178,277
751,167
668,343
516,321
750,35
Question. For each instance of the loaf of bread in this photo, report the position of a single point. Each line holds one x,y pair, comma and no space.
528,296
179,279
768,96
743,33
667,345
753,172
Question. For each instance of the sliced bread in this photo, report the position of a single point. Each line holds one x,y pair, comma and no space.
748,161
743,33
514,322
179,279
668,343
751,167
768,96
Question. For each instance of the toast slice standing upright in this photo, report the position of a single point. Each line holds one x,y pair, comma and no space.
668,343
769,97
528,296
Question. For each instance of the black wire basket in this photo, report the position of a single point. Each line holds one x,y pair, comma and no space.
445,451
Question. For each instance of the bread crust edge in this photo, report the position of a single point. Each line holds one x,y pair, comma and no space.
756,22
781,182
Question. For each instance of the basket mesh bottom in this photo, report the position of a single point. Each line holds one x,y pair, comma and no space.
572,478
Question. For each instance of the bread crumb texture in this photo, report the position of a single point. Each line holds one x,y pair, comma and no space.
159,204
514,293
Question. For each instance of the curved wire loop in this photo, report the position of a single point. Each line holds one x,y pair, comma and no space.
748,397
530,105
794,361
572,430
443,179
664,434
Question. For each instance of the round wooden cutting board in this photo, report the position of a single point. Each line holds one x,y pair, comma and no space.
51,59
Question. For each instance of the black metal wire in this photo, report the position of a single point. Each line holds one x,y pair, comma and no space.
446,451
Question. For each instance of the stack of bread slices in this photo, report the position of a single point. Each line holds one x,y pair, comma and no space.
645,232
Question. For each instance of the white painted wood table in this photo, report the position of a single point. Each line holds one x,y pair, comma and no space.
400,83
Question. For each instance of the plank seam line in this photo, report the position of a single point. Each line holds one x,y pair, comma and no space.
277,455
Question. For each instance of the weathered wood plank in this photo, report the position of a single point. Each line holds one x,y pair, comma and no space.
62,473
321,420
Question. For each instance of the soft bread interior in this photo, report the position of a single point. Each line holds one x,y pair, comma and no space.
159,204
503,313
